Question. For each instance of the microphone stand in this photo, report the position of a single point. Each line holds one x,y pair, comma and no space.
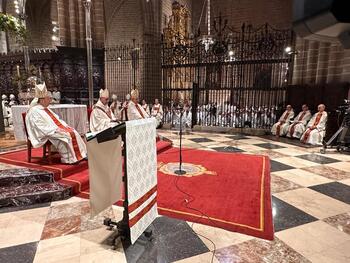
180,171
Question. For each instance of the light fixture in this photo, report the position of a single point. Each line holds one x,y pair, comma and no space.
207,40
15,2
55,29
54,38
231,53
17,11
288,50
119,58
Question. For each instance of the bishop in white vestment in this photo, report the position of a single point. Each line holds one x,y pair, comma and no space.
157,112
135,110
316,128
102,117
281,127
298,126
44,125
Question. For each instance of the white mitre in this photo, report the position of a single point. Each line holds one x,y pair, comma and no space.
134,94
114,97
40,91
104,93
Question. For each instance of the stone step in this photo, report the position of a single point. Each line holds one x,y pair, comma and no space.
24,176
33,194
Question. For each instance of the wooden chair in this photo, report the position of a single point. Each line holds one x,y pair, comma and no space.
46,147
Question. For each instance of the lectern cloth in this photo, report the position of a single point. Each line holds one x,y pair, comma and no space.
105,172
142,174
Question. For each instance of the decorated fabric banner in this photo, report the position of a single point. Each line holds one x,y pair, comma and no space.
105,172
141,155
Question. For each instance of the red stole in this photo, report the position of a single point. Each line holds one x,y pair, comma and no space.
279,125
292,128
70,131
139,110
308,131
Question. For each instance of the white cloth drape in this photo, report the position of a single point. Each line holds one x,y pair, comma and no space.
105,173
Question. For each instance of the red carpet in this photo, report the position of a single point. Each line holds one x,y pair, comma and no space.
232,189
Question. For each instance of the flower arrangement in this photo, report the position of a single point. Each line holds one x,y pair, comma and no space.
12,25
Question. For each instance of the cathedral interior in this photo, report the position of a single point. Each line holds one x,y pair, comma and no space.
227,135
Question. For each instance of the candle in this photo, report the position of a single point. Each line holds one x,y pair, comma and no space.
18,72
39,72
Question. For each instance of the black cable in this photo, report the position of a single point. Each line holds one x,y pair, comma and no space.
185,203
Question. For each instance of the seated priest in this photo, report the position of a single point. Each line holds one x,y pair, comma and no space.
44,125
316,127
298,126
135,110
157,111
102,116
281,127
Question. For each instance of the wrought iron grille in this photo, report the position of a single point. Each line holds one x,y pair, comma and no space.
240,81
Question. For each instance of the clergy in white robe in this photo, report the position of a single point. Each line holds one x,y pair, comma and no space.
134,109
124,110
157,112
102,117
281,127
116,107
44,125
145,106
316,127
298,126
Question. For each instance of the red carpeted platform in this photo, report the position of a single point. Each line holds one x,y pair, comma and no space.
226,190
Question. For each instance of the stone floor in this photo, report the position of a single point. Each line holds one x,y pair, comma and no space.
311,209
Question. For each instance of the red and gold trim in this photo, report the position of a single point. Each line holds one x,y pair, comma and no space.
139,110
279,125
142,199
70,131
144,211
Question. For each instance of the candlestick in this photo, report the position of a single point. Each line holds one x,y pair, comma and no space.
18,74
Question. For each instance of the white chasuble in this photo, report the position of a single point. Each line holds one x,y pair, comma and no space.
136,112
298,126
141,155
315,129
101,118
105,173
281,127
44,125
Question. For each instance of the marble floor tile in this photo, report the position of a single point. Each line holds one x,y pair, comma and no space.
250,147
259,251
73,199
313,203
237,137
277,166
269,146
345,181
286,216
302,177
19,254
172,240
279,184
5,166
227,149
105,256
291,151
271,153
66,210
329,172
313,238
202,258
220,237
335,190
201,140
341,222
317,158
24,232
344,166
61,227
59,249
256,141
296,162
336,155
333,255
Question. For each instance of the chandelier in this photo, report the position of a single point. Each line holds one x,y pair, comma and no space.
207,40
